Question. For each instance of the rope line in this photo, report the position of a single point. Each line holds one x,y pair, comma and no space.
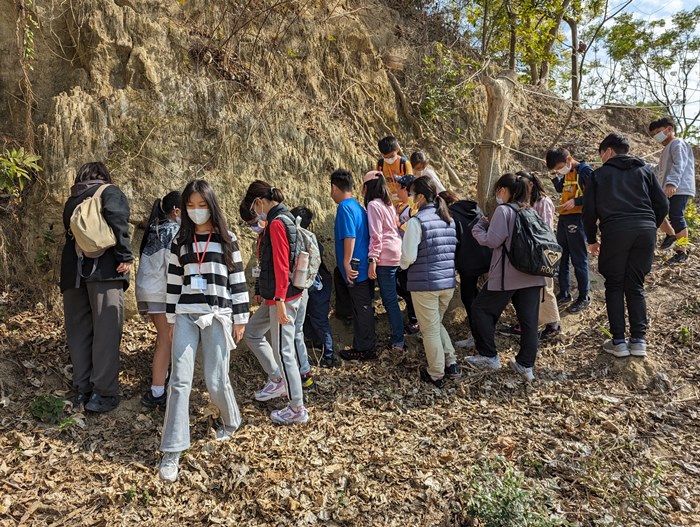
623,106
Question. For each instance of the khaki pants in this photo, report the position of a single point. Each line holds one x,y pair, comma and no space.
549,310
430,307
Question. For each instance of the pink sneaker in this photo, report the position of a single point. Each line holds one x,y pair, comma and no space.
271,390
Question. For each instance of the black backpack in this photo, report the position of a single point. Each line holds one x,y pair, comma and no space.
534,249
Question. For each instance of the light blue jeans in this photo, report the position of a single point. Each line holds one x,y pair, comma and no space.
215,362
279,357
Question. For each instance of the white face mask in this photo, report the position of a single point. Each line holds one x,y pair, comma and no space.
256,228
660,137
391,160
564,171
199,216
178,220
499,200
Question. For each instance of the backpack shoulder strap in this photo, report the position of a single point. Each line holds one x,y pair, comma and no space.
402,166
380,164
101,190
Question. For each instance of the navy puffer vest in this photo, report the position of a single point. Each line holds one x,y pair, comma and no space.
434,268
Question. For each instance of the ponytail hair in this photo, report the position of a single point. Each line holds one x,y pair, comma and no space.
426,188
518,188
261,189
537,191
160,210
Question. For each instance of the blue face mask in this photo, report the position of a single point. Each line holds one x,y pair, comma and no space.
256,228
499,200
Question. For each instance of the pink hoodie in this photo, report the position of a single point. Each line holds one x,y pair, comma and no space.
384,238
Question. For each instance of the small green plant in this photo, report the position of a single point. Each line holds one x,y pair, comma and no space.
692,218
499,496
16,169
47,409
685,336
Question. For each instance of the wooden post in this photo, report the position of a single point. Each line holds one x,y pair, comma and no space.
499,93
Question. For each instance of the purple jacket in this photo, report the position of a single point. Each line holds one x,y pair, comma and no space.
494,235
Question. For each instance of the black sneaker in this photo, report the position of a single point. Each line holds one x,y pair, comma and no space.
425,376
353,354
307,381
667,242
550,332
453,371
564,298
329,361
102,403
677,258
579,305
151,401
80,399
510,331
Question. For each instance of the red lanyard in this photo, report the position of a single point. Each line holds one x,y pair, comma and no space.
200,261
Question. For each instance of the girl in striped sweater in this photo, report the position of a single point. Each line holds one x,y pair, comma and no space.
207,301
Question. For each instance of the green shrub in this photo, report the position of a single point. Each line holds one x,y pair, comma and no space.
16,169
498,496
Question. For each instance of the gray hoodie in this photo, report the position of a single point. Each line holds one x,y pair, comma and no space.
677,167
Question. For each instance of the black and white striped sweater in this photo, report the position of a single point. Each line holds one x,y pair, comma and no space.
224,289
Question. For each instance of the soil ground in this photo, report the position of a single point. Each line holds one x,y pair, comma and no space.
607,441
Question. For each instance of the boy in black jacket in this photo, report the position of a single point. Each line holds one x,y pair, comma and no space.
623,199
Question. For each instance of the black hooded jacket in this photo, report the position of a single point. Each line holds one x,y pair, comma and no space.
115,209
471,259
623,195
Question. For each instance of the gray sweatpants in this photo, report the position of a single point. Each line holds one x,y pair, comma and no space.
215,363
94,316
281,351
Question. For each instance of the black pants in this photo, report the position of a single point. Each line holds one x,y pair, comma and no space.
572,239
486,310
467,292
364,338
625,260
343,304
403,292
94,315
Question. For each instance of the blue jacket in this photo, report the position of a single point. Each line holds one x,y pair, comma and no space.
434,268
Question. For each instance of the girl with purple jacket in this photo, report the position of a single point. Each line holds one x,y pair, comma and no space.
505,283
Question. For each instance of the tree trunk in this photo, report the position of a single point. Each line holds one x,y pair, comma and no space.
499,92
575,87
512,22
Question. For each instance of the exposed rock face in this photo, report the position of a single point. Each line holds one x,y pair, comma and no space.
157,90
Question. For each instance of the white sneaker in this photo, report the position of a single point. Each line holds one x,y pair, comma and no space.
616,350
224,432
526,373
287,416
271,390
479,361
637,349
466,343
169,466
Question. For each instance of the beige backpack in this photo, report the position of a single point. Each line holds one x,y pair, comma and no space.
93,235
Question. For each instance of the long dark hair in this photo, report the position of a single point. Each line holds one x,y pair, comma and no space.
518,188
159,212
426,188
537,192
376,189
186,235
93,171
